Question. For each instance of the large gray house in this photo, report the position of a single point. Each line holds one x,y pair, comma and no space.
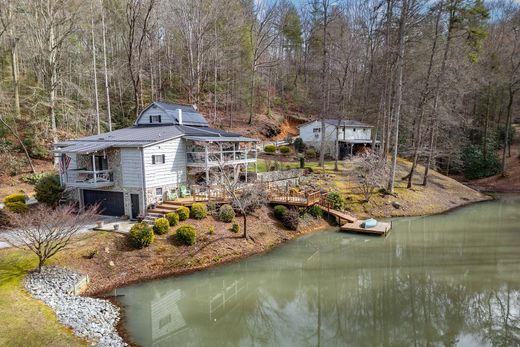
170,145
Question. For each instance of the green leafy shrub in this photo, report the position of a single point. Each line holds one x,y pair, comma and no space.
173,218
338,202
285,149
476,166
140,235
161,226
17,207
310,153
279,211
183,212
31,178
299,145
235,228
291,219
15,198
270,148
186,234
198,210
211,230
226,213
315,211
48,189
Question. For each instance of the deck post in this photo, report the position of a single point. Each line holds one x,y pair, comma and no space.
94,167
246,164
207,163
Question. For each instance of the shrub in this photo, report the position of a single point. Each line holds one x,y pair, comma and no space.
173,218
315,211
48,189
235,228
226,213
15,198
291,219
285,149
183,212
310,153
31,178
161,226
298,144
211,230
270,148
198,211
279,211
140,235
186,234
338,203
476,166
4,219
17,207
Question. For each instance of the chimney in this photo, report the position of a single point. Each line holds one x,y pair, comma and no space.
179,118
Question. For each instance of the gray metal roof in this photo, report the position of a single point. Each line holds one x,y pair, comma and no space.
190,116
221,139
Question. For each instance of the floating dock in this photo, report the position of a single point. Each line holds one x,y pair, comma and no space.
381,229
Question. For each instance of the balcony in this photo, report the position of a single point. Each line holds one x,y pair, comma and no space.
88,178
216,158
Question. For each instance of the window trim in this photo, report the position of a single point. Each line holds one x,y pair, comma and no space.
154,159
157,190
156,116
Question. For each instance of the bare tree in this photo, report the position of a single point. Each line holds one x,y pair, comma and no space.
45,231
371,172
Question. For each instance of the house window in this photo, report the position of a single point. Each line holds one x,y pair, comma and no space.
316,130
158,159
101,162
155,119
158,191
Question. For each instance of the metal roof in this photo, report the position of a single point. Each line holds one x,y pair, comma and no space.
221,139
190,116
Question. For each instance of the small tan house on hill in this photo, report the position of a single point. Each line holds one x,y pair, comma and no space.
170,145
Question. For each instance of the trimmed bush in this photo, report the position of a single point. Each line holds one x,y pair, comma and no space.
235,228
15,198
173,218
310,153
270,148
338,203
186,234
226,213
49,190
279,211
140,235
17,207
161,226
211,230
198,210
183,212
298,144
285,149
291,219
315,211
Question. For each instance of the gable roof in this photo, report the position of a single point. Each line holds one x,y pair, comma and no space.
350,123
190,115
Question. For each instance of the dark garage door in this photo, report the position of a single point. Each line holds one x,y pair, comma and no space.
110,203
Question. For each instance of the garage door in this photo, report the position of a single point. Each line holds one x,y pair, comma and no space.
110,203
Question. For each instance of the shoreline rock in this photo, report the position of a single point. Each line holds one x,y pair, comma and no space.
93,319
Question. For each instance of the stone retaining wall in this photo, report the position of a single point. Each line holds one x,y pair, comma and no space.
273,176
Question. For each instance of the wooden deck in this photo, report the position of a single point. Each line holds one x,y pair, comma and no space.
381,229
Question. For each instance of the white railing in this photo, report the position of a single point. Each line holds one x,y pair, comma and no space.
214,157
89,178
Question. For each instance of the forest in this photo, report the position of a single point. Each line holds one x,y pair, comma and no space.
438,79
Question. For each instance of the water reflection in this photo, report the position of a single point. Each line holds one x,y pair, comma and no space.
449,280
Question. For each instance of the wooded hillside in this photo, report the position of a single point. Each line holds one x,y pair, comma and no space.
437,79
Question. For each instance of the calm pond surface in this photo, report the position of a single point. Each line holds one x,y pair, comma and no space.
445,280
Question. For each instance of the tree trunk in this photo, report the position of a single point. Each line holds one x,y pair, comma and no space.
398,91
94,70
508,129
245,224
15,134
323,83
107,90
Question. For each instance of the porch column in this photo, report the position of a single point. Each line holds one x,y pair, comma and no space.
207,163
256,158
94,167
247,164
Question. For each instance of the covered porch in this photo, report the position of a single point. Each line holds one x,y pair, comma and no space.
208,158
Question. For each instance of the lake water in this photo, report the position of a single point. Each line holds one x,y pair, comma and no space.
445,280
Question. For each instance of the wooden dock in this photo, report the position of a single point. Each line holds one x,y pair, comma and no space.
381,229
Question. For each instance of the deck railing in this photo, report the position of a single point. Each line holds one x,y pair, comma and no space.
89,178
215,157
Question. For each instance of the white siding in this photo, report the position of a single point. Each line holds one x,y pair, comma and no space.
132,169
154,111
308,136
357,134
173,171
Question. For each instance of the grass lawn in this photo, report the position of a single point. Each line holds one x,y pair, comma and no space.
25,321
